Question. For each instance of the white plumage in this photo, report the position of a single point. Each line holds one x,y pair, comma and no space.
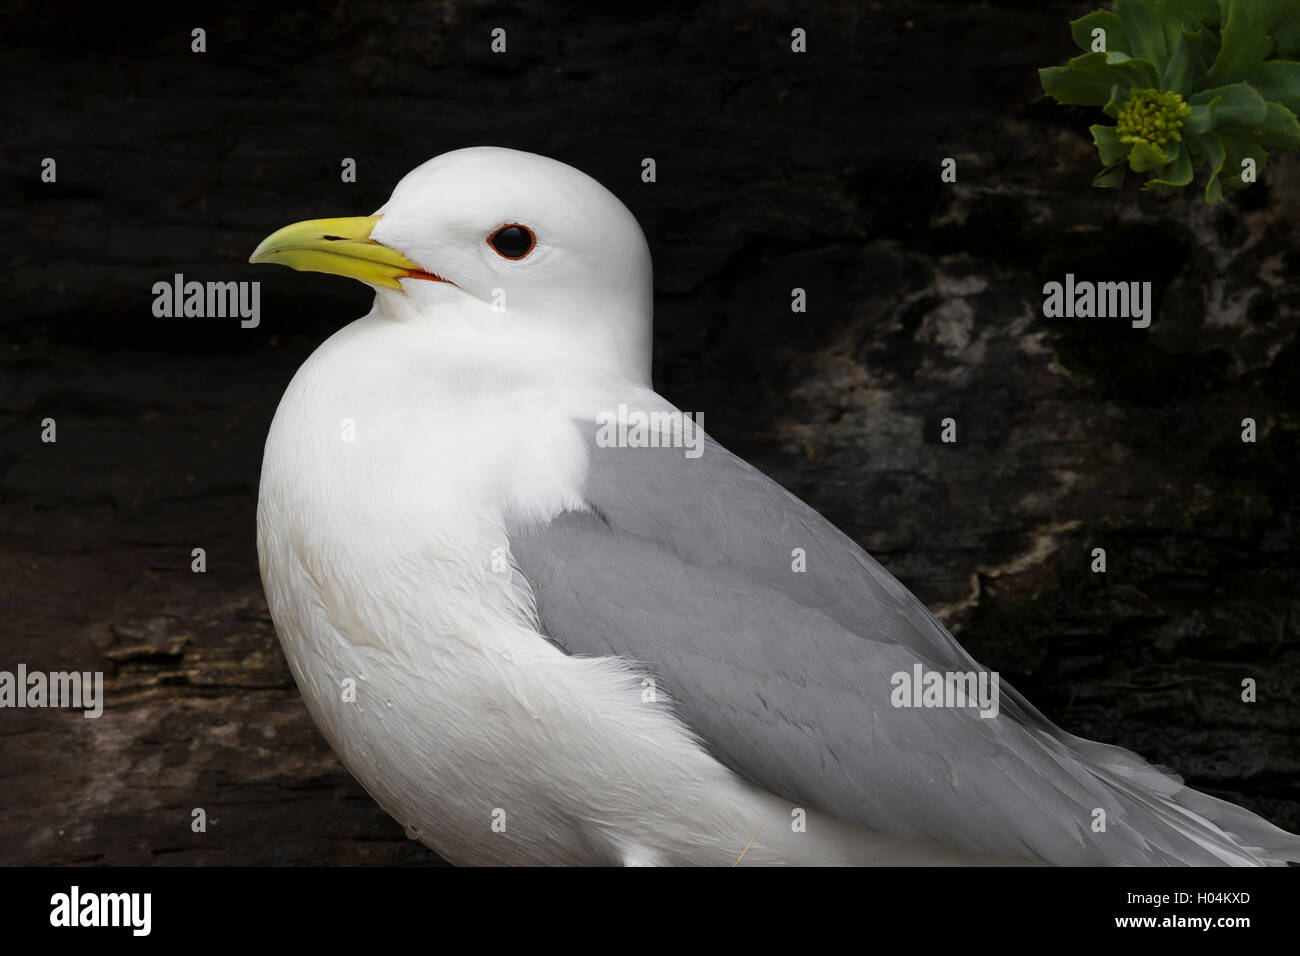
424,445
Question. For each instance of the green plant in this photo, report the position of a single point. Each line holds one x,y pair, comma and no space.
1191,84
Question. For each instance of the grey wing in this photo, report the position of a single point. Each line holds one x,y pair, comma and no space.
687,565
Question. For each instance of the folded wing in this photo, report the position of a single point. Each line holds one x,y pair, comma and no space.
688,566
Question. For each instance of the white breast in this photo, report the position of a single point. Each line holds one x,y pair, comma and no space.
386,485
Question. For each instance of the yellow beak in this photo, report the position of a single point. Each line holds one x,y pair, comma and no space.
340,247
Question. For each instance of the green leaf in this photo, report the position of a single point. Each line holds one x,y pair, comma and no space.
1185,65
1088,80
1075,87
1278,81
1171,17
1178,173
1281,128
1081,29
1109,145
1203,11
1148,156
1287,35
1146,34
1281,20
1112,178
1238,105
1140,73
1246,42
1238,149
1115,102
1208,151
1202,118
1271,12
1210,54
1176,20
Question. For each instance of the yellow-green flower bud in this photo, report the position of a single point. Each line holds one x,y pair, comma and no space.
1149,116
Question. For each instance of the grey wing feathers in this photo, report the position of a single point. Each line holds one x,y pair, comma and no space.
685,565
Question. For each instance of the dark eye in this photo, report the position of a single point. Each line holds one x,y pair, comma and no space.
513,241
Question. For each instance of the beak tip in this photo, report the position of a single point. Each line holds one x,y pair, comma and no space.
340,247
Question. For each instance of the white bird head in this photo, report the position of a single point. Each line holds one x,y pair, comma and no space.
499,244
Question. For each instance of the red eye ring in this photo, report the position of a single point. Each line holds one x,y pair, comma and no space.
509,241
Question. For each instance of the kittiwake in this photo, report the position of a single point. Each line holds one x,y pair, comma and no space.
544,619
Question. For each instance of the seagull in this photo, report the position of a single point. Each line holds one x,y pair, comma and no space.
545,619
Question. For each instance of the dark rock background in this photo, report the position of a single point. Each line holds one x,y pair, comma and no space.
774,171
